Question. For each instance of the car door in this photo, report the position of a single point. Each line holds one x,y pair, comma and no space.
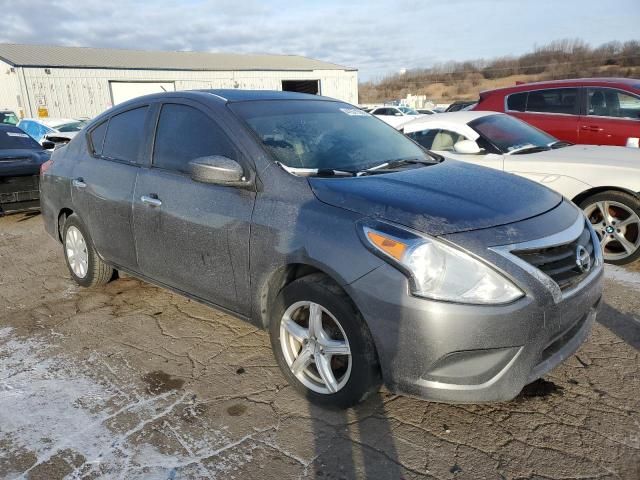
552,110
189,235
104,177
611,117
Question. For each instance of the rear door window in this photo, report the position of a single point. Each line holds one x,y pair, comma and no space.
609,102
516,102
553,100
185,133
125,135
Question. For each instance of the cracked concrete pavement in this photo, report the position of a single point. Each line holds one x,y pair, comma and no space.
132,381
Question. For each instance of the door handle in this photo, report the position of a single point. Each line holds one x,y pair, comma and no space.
78,183
592,128
149,200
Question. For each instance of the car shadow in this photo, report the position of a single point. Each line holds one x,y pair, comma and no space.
28,216
622,325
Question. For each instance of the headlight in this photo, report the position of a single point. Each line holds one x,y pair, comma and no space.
437,270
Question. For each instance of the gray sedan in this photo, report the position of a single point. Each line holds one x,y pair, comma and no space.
368,258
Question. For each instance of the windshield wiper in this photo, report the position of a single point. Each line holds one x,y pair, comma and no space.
560,144
398,162
317,172
530,149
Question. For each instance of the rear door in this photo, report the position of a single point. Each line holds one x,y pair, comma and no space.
553,110
190,235
611,116
103,183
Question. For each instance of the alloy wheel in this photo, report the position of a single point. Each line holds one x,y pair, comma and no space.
617,226
315,347
77,254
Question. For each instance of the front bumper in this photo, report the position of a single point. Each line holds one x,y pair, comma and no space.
468,353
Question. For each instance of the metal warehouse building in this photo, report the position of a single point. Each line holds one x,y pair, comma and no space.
50,81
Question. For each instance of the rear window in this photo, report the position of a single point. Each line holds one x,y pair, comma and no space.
13,138
125,135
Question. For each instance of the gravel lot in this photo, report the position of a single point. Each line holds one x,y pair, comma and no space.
132,381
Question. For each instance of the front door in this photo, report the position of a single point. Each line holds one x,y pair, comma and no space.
612,117
189,235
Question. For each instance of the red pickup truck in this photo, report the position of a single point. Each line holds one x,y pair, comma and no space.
596,111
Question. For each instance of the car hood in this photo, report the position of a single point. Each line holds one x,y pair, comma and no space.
446,198
594,154
21,162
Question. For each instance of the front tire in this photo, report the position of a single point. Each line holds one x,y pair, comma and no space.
84,264
322,344
615,216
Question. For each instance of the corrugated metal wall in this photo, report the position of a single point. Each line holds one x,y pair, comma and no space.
85,92
10,95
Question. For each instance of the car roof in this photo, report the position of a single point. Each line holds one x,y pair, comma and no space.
571,82
457,118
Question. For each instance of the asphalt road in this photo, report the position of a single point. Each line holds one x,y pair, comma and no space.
132,381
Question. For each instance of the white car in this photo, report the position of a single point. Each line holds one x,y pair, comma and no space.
56,130
603,180
395,116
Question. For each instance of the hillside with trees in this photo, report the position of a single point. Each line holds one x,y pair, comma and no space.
451,81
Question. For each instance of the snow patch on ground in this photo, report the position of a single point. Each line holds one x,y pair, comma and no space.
50,404
622,275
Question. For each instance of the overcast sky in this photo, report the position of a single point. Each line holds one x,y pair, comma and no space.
377,37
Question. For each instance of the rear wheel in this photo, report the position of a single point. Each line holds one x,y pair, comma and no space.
84,264
322,344
615,216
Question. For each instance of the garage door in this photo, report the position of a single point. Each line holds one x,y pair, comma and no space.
123,91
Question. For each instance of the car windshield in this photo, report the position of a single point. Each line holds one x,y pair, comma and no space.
12,138
9,118
511,135
326,135
408,111
71,126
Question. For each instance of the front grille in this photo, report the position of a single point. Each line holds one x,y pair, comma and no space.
560,262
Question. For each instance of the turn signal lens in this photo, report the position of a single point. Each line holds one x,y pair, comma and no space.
388,245
45,166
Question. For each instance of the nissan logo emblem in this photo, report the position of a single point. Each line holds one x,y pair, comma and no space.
583,259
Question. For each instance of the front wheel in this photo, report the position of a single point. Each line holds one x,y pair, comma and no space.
615,216
322,344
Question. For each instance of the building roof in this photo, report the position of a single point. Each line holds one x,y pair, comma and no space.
80,57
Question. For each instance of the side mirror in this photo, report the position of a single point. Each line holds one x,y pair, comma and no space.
217,170
48,145
467,146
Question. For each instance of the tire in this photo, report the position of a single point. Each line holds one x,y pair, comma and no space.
93,271
356,375
620,232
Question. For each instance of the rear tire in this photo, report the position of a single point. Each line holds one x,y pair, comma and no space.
615,216
84,264
331,361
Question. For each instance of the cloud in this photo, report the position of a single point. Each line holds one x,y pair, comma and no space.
376,37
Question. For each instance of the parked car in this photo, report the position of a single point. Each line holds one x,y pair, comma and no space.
461,105
394,115
8,117
593,111
365,256
57,130
602,180
20,160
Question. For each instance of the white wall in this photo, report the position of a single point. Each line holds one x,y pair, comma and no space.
86,93
10,94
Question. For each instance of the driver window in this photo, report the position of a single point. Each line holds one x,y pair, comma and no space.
445,140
